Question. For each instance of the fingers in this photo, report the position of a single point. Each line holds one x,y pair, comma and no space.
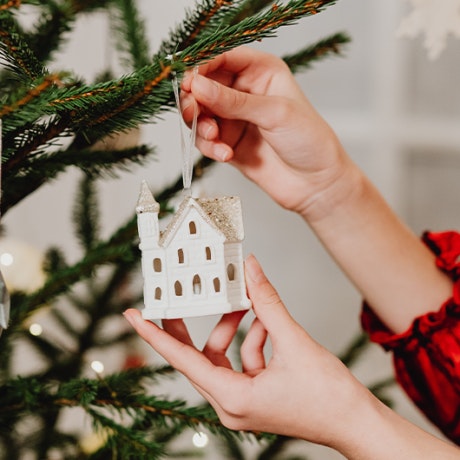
221,337
233,104
184,357
216,384
236,61
252,349
267,304
178,329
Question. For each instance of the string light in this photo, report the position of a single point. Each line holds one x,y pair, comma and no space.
6,259
200,440
97,367
35,329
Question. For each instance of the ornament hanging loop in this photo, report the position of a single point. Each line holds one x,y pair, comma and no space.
187,142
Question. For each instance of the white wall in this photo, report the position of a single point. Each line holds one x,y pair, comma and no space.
396,113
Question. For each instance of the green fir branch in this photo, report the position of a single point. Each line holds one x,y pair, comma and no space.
62,319
250,29
123,442
42,169
48,349
303,59
49,31
86,214
130,32
16,52
196,21
120,104
249,8
122,393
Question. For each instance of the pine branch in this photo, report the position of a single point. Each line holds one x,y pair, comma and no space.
47,36
38,170
249,8
86,214
130,31
117,105
45,134
304,58
27,95
195,22
15,51
123,393
257,27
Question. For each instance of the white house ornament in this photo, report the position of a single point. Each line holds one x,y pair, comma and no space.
195,266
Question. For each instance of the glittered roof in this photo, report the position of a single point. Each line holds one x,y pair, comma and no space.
224,214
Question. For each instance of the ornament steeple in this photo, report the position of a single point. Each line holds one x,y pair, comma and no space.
147,210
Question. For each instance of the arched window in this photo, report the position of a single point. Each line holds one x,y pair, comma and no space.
157,264
192,227
158,293
180,256
208,253
178,288
231,272
216,283
196,284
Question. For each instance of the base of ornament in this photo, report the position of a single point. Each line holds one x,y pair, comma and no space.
187,312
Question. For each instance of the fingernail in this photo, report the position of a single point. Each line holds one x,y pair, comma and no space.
222,152
128,314
254,270
186,79
211,131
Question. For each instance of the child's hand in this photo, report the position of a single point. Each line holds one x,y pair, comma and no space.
253,113
302,391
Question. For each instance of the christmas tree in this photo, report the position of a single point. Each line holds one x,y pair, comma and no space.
53,120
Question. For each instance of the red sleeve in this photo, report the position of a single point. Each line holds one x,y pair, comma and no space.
427,356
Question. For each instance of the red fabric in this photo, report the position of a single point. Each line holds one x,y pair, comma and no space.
427,356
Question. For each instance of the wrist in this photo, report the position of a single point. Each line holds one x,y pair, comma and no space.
339,191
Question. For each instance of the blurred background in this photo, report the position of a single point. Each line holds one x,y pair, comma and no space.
397,114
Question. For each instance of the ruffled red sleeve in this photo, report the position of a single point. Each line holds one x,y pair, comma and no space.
427,356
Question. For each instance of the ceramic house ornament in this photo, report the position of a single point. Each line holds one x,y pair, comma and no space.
195,266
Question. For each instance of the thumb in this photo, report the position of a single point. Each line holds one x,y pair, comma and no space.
232,104
267,305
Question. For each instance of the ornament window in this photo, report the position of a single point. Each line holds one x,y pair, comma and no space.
231,272
157,265
192,227
197,284
158,293
180,255
178,288
208,253
216,283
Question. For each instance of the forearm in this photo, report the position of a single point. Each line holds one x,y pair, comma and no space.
387,262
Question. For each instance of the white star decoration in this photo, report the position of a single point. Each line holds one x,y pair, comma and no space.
436,19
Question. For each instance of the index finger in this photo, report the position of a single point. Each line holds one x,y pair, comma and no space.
212,379
235,61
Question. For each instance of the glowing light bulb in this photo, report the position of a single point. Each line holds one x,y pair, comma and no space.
36,329
97,367
200,440
6,259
